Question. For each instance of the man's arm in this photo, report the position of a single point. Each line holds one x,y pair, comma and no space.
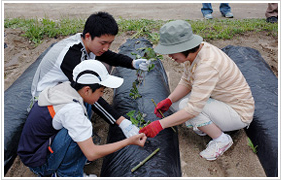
115,59
105,111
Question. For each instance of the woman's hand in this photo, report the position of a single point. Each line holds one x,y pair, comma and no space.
162,106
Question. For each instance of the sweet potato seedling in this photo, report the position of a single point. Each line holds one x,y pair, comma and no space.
138,120
134,92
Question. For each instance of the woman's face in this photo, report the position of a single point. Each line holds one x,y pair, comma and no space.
179,57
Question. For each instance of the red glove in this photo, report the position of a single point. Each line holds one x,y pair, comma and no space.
163,106
152,129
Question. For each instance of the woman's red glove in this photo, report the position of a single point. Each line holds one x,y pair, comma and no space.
163,106
152,129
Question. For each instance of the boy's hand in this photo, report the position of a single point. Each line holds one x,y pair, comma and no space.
128,128
163,106
142,64
152,129
138,140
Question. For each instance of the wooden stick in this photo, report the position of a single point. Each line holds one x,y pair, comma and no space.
161,113
145,160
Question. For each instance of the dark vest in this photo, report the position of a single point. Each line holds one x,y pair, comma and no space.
36,136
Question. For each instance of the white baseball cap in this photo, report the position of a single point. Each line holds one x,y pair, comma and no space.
92,71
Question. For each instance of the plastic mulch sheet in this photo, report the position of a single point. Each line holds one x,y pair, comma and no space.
16,101
263,131
166,162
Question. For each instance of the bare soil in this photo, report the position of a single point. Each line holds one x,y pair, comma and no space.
238,161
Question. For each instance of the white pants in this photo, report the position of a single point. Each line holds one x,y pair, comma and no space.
217,112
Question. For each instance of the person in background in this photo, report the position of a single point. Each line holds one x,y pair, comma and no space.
57,65
271,13
224,8
212,96
57,135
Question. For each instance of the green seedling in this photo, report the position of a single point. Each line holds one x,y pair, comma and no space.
254,148
151,56
137,120
134,92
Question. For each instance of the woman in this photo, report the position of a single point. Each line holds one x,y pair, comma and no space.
212,96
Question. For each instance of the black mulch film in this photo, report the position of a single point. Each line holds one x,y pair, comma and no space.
263,131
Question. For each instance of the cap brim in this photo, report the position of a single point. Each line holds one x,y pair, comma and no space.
112,82
176,48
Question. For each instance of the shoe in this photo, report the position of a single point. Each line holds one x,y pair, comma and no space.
208,16
89,175
215,149
272,19
228,15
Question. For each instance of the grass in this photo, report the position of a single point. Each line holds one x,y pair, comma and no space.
36,29
254,148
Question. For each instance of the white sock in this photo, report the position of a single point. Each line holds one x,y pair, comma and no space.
222,138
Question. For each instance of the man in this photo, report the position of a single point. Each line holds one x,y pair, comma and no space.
212,96
99,32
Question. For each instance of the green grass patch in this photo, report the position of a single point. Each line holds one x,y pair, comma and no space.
36,29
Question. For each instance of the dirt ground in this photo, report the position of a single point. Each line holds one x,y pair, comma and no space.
238,161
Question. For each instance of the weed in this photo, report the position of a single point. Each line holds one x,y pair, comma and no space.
254,148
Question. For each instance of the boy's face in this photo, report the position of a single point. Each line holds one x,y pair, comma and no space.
92,97
98,45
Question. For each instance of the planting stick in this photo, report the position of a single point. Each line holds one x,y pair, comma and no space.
145,160
161,113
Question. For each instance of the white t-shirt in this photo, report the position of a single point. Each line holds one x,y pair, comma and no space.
72,118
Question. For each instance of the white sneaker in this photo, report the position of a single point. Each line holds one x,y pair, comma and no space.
215,149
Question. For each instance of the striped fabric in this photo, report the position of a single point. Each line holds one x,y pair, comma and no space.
213,74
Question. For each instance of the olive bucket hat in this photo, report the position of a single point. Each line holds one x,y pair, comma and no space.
177,36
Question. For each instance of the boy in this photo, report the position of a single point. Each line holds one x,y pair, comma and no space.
57,65
57,135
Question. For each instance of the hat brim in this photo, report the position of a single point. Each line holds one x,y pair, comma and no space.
112,82
176,48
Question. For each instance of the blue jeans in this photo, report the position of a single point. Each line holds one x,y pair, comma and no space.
67,159
207,8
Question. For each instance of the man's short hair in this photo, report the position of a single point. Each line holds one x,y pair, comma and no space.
101,23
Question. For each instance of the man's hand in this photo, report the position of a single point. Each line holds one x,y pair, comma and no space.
128,128
152,129
163,106
142,64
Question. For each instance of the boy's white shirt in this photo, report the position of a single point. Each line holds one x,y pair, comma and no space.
68,114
